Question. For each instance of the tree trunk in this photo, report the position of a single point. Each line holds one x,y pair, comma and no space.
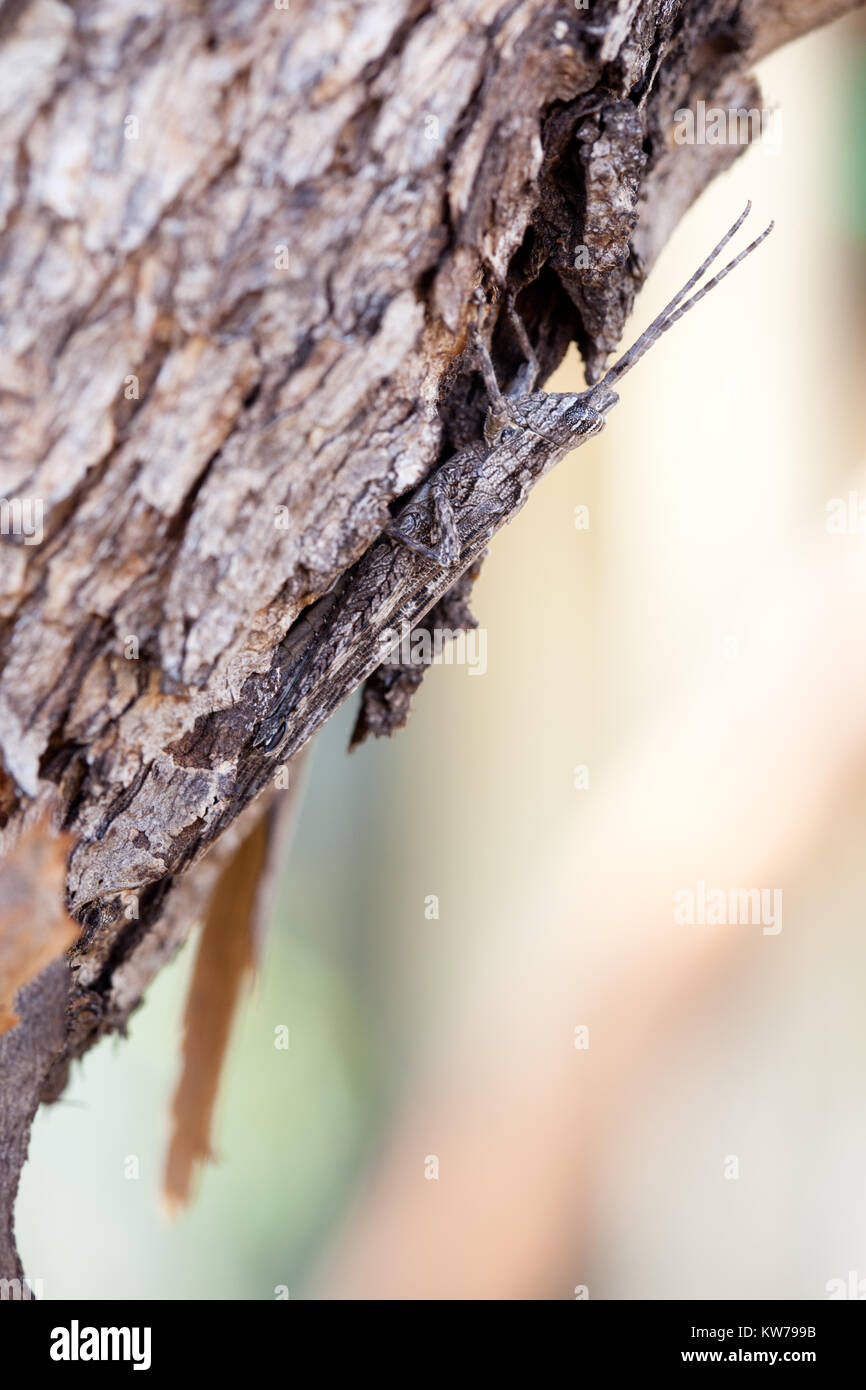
243,246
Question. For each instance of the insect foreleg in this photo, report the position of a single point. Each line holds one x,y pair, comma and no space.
446,550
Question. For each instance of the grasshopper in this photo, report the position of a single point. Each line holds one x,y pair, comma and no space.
446,523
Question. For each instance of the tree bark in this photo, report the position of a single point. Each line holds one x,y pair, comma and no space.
242,248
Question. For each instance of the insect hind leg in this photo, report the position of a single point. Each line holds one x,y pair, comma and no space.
519,329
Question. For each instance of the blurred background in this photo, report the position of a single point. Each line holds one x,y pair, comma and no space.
674,692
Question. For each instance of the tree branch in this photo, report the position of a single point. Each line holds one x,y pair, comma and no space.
243,248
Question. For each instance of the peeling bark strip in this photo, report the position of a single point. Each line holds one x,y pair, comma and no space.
229,951
240,245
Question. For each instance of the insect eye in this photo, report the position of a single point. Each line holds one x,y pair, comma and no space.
509,432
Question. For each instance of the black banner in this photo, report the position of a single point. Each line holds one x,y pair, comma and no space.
66,1338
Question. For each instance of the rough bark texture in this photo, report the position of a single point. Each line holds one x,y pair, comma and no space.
242,247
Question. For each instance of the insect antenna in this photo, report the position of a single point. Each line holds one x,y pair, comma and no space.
676,308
